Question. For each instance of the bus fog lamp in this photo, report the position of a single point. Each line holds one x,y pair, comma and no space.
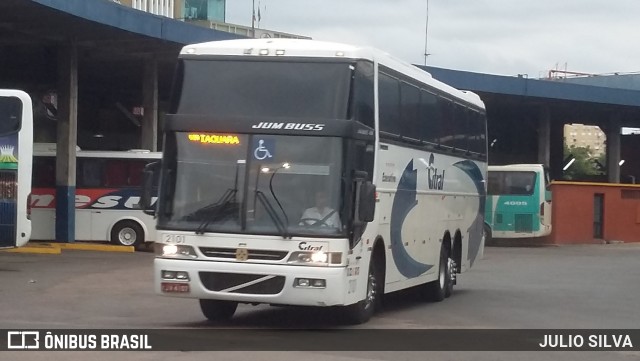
309,283
174,275
168,275
182,275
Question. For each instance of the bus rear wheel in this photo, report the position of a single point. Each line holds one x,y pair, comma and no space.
217,310
127,233
442,287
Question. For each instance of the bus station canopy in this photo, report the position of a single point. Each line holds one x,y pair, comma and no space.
102,23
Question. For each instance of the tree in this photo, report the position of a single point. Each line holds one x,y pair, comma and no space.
585,165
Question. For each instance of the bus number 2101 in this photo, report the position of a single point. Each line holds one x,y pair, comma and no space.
173,238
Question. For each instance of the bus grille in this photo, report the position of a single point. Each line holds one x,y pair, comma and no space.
524,223
254,254
8,185
242,283
7,223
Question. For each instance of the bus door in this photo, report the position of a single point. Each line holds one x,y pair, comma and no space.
16,135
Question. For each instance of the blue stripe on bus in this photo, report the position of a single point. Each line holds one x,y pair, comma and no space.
403,203
475,230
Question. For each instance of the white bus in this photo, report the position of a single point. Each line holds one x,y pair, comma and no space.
16,138
272,156
108,185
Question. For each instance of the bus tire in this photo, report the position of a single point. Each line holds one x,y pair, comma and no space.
217,310
361,312
442,287
127,233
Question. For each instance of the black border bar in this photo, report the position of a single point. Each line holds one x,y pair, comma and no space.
324,339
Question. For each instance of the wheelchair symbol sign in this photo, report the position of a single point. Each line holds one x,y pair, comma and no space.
263,149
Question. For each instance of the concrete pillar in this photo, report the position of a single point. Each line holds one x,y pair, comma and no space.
613,149
150,104
66,142
544,137
556,140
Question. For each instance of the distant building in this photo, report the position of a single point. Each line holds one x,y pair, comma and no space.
169,8
580,135
206,13
246,30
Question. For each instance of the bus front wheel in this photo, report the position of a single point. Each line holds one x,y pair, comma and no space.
217,310
362,311
127,233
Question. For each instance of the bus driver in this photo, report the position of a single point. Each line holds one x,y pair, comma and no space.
320,215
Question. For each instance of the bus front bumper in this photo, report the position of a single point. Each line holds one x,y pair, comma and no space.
250,282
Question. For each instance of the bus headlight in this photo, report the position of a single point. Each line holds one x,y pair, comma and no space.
319,257
315,258
174,251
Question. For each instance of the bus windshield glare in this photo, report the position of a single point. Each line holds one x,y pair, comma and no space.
257,184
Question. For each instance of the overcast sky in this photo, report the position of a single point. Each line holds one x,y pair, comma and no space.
507,37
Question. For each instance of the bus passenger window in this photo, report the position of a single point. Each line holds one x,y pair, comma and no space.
115,174
44,172
409,107
135,173
430,118
389,98
89,174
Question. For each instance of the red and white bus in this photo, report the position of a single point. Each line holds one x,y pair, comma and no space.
107,195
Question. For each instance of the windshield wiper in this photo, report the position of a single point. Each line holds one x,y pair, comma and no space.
286,219
217,209
272,214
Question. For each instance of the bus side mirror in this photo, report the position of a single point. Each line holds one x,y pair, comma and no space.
149,188
367,202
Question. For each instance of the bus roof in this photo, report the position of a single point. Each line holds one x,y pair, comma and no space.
321,49
516,167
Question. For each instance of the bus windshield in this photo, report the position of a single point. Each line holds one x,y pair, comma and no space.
511,183
258,184
253,88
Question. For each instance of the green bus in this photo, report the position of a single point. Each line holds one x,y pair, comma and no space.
518,202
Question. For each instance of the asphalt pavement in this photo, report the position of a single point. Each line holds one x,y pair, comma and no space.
590,286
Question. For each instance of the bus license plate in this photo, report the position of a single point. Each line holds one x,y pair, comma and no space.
174,287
